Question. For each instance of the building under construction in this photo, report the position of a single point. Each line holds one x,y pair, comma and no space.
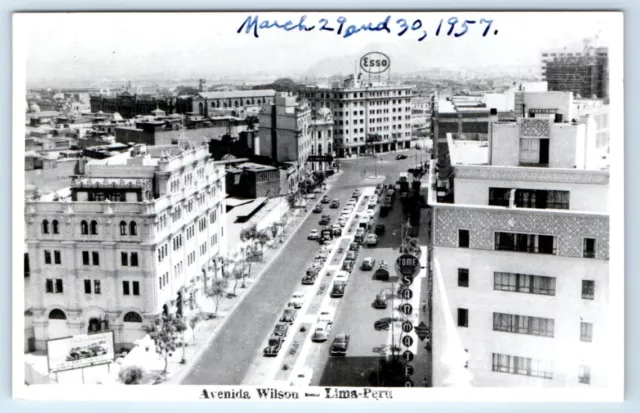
584,72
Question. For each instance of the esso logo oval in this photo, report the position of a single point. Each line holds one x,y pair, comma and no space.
375,62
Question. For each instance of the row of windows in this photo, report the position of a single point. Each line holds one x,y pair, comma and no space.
531,367
87,228
177,242
163,280
525,325
530,198
163,251
535,243
130,259
327,95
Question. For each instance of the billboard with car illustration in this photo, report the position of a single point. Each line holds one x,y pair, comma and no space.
80,351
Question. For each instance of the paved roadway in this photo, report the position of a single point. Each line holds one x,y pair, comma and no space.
230,354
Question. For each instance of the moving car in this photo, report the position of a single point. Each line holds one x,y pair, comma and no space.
321,333
354,246
364,222
347,265
314,234
337,290
359,237
273,346
371,240
379,229
335,204
325,220
380,302
382,324
399,157
352,202
342,221
297,300
281,329
368,263
340,345
317,209
325,199
303,378
288,316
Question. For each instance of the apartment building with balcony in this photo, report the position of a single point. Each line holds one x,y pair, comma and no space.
368,117
111,251
520,259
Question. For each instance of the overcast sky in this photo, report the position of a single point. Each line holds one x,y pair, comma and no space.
178,45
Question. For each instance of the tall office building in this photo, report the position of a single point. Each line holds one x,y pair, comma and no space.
521,256
584,71
368,116
112,251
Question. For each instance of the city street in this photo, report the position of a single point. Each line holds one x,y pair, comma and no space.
240,340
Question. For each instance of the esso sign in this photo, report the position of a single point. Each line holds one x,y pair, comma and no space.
375,62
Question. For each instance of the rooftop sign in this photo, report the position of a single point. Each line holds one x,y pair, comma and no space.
375,63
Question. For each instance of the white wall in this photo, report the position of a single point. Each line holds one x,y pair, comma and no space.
567,308
562,101
505,145
563,145
592,198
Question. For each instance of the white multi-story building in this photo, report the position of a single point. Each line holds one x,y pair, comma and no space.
363,109
112,251
521,258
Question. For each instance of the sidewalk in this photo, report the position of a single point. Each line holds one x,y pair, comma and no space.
205,330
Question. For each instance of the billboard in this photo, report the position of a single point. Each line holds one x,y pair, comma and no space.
84,350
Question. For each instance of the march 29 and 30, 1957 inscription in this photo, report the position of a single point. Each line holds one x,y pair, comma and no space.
278,394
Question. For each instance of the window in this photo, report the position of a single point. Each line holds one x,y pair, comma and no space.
463,238
45,227
96,287
94,228
56,257
124,259
588,289
84,228
136,288
95,258
529,150
541,244
123,228
134,259
521,365
132,317
59,289
584,375
133,228
47,257
49,286
54,226
87,286
524,283
463,277
512,323
85,257
463,317
589,248
125,287
586,332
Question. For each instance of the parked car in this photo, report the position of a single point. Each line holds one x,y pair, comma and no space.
288,316
335,204
359,237
297,300
381,301
380,229
352,202
317,209
351,255
382,324
326,316
325,199
342,221
340,345
354,246
273,346
309,279
370,213
368,263
303,378
401,156
337,230
314,234
347,265
357,193
342,276
321,333
325,220
281,329
371,240
338,289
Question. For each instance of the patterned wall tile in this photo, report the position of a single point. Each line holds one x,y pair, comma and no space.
568,228
534,127
532,175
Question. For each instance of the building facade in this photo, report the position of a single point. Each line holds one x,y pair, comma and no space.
368,117
129,105
583,71
322,138
285,132
112,252
520,260
206,103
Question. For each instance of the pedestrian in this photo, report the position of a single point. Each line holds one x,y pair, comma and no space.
424,306
424,382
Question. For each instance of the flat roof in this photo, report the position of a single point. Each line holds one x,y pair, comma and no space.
237,94
468,152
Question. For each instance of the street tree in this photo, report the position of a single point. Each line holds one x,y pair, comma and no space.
218,291
238,274
262,239
164,331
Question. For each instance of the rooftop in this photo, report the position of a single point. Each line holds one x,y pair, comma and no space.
237,94
468,152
